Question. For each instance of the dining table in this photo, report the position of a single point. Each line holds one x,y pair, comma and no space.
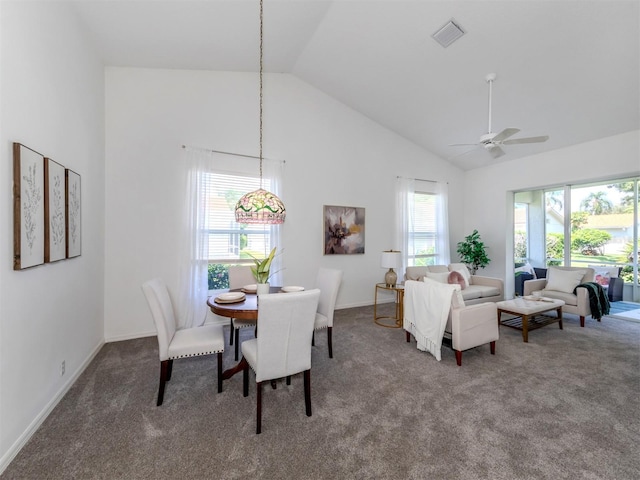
246,309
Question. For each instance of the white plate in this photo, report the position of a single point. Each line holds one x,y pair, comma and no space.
231,296
292,288
250,288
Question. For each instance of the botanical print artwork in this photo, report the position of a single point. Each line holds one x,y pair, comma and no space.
343,230
31,205
55,244
73,214
28,207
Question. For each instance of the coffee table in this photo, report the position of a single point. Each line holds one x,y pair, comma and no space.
528,311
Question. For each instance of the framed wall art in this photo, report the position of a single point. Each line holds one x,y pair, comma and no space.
54,212
343,230
28,207
73,214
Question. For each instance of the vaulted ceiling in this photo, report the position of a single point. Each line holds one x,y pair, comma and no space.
568,69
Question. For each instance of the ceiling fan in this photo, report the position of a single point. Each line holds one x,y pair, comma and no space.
493,142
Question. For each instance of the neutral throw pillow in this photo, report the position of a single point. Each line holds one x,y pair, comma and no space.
462,268
563,280
456,277
438,277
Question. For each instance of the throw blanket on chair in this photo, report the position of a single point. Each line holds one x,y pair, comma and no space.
426,309
598,300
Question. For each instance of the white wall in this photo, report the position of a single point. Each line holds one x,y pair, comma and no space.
334,156
51,99
609,158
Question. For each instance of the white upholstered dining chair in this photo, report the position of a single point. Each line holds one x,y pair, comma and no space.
174,343
239,276
283,345
328,281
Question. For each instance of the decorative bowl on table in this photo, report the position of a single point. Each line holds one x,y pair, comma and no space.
292,288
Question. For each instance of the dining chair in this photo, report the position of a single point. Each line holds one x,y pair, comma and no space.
328,280
283,347
239,276
177,343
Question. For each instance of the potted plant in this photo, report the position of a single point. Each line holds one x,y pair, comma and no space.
262,271
473,252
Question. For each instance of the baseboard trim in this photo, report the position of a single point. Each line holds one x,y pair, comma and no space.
11,453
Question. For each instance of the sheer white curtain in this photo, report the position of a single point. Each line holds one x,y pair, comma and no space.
405,215
273,170
442,223
194,250
405,220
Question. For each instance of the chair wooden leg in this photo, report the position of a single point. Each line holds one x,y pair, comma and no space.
169,370
259,408
581,321
329,342
237,335
231,332
408,335
458,357
245,379
164,368
307,391
288,379
219,372
313,339
493,347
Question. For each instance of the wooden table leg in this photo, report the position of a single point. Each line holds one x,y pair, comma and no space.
525,328
559,310
230,372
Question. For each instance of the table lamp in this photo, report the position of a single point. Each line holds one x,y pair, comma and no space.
390,259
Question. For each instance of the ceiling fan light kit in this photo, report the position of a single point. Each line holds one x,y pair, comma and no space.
492,142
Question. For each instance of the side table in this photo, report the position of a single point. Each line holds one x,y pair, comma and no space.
399,313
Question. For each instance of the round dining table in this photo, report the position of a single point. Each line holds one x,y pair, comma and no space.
247,309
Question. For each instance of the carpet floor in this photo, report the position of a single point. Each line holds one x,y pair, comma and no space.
563,406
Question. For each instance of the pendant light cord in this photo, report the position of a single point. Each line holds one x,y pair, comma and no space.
261,55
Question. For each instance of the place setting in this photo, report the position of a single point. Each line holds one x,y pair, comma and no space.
230,297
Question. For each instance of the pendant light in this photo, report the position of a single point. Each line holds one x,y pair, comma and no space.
260,206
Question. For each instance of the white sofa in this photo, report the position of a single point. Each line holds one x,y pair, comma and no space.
479,289
560,284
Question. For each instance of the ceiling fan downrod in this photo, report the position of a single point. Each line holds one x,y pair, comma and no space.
490,78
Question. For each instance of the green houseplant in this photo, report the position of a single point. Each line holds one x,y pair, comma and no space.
262,267
473,252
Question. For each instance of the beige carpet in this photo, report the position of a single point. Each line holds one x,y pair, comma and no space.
563,406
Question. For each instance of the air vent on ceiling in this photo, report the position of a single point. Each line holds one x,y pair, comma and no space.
448,33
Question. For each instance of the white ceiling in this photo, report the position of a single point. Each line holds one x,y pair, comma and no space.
568,69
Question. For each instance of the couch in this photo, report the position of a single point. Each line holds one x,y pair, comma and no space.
560,284
476,289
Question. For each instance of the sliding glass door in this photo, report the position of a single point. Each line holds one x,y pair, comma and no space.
593,225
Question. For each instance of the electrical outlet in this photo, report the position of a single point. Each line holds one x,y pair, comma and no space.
62,368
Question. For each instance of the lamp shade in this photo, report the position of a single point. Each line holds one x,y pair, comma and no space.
390,259
260,206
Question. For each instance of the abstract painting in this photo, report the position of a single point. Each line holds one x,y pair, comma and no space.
343,230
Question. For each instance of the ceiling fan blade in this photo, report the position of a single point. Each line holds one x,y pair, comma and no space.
506,133
495,151
540,139
464,144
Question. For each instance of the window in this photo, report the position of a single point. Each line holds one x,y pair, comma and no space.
423,236
231,243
